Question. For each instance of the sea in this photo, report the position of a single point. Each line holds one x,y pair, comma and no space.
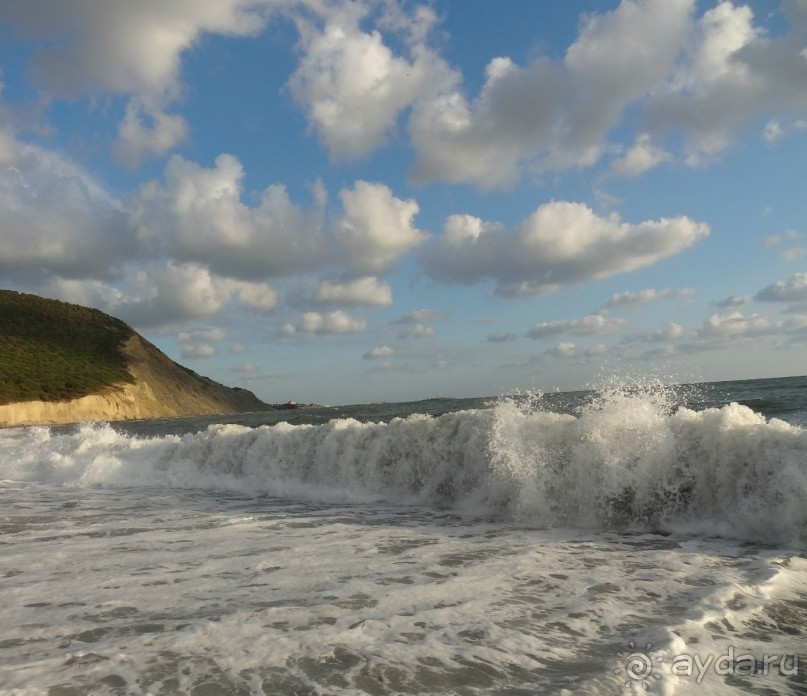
634,538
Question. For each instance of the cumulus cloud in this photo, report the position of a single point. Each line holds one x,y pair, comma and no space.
550,113
420,315
351,84
670,332
57,219
376,229
567,349
147,132
731,74
90,47
629,299
561,243
727,328
197,350
362,291
732,302
417,331
641,157
337,322
792,290
378,353
197,215
592,325
162,294
201,335
501,337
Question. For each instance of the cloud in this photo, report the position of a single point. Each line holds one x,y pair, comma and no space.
733,301
161,294
570,350
726,329
550,113
792,290
57,219
362,291
337,322
592,325
93,47
630,299
420,315
236,349
197,350
378,353
559,244
136,138
376,229
201,335
641,157
731,74
501,337
197,216
351,84
670,332
417,331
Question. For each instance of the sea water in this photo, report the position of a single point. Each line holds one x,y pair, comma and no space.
621,541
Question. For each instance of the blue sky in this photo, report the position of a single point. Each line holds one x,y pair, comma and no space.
349,201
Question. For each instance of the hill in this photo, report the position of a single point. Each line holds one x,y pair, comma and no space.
61,362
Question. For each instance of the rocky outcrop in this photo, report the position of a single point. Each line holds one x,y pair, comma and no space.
161,389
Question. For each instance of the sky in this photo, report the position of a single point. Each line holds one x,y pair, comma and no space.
346,201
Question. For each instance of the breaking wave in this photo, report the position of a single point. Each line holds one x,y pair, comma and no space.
629,459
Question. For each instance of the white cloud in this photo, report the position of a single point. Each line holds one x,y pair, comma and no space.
337,322
147,132
723,329
732,74
570,350
201,336
257,296
376,229
792,290
351,84
57,220
670,332
417,331
592,325
420,315
198,215
161,294
362,291
629,299
561,243
90,47
501,337
198,350
378,353
236,349
641,157
732,302
551,114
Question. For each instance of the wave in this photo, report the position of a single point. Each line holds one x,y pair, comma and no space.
629,459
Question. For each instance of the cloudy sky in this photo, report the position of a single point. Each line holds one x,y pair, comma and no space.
357,200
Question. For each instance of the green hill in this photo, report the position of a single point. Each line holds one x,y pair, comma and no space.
55,351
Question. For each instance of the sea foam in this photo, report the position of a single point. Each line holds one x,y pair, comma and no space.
629,459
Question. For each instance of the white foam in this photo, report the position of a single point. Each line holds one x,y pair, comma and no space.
627,460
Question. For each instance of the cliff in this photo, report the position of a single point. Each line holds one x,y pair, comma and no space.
109,371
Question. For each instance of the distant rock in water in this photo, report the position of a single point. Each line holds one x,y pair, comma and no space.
64,363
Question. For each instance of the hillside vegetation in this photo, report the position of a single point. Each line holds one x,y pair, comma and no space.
55,351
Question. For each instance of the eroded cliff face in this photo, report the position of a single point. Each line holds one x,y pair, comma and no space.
162,389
